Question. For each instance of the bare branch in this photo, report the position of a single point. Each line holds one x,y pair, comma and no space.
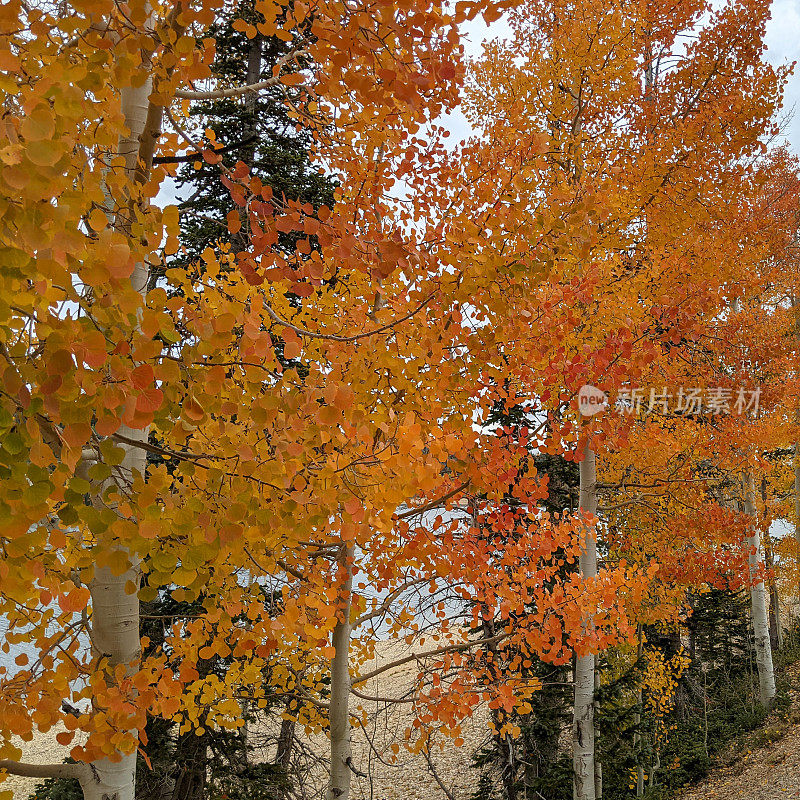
76,771
432,768
377,699
334,338
452,648
237,91
434,503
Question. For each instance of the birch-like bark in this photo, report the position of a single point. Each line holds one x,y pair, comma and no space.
583,720
797,508
114,627
598,767
797,494
796,310
758,599
775,623
339,782
115,610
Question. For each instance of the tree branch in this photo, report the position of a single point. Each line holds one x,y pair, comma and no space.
236,91
199,153
378,699
436,502
76,771
333,338
453,648
432,768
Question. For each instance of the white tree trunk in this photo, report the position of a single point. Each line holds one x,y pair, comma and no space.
796,310
774,596
339,713
115,611
583,719
794,607
797,503
598,767
758,599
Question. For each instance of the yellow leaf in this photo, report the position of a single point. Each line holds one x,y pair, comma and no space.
38,125
44,153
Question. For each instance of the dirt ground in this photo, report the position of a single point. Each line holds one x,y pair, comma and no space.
767,772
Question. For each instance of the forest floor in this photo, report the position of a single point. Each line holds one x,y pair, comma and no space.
763,764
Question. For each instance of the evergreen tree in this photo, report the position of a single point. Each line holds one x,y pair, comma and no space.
254,128
533,762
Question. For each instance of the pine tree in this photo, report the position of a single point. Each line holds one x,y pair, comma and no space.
532,763
254,128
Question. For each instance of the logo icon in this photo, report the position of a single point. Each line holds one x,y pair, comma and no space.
591,400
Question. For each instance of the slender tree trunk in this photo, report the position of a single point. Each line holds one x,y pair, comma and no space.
248,151
797,493
637,736
598,767
283,754
654,767
796,604
583,762
254,59
114,625
775,623
115,634
758,599
115,608
190,780
797,514
339,783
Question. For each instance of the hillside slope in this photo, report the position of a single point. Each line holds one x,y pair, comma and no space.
767,766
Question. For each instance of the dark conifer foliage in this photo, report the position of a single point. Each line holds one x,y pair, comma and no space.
253,128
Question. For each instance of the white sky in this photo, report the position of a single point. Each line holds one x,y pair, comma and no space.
783,43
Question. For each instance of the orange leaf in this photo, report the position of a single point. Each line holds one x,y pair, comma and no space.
119,260
77,434
38,125
328,415
75,601
291,349
193,410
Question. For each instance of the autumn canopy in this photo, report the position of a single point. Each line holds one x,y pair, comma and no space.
352,416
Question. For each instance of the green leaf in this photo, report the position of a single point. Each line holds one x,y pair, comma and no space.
80,486
94,521
99,472
168,332
13,444
6,420
112,455
73,498
68,515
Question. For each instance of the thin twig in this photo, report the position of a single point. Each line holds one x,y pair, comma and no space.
334,338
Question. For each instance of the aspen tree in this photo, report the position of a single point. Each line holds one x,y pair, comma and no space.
758,596
583,730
